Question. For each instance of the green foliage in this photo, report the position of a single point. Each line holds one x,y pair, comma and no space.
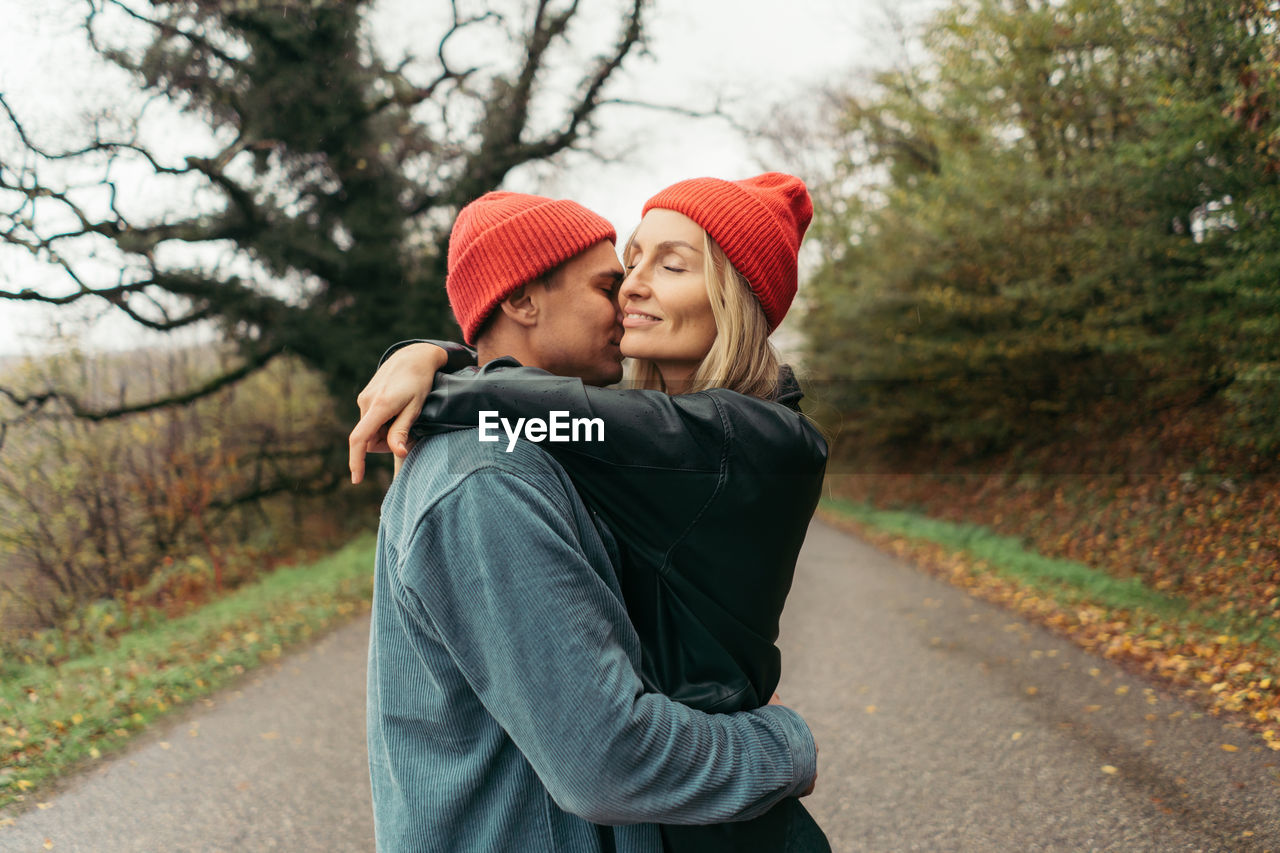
1066,205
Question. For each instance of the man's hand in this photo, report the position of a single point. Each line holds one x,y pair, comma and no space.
391,402
777,700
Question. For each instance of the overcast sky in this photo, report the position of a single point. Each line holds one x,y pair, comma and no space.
753,53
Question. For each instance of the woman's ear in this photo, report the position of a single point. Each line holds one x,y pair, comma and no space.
520,306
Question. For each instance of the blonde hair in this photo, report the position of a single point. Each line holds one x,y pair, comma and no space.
741,357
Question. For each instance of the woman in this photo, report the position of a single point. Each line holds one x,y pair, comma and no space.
707,474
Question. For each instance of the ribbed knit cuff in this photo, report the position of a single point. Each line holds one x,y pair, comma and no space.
804,752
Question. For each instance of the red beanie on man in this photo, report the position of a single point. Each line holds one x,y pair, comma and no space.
759,222
503,240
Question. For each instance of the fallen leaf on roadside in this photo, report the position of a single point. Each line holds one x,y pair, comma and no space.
1229,747
1110,770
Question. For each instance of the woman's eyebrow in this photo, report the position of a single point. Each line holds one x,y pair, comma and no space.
677,244
664,246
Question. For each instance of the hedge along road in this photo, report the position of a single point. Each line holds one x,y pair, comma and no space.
944,723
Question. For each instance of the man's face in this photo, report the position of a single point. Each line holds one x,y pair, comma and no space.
579,324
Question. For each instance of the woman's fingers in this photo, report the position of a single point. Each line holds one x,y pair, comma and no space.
398,433
370,433
398,390
367,437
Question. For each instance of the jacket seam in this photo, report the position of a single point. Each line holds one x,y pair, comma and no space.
721,478
718,706
429,511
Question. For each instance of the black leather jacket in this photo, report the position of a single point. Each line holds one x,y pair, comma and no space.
709,496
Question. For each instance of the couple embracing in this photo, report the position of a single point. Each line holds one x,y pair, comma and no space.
573,638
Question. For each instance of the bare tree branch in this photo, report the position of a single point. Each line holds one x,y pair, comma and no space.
97,146
407,95
32,403
195,39
507,109
590,98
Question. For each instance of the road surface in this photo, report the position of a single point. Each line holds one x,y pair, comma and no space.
944,724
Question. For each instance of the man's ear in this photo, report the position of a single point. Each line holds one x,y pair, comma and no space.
520,306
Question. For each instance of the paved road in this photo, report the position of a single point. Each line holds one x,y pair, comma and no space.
944,724
278,764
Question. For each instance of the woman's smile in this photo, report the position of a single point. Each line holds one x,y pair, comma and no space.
638,319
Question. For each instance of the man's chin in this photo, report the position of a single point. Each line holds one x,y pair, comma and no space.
610,375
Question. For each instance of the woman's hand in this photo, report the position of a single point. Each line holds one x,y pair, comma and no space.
391,402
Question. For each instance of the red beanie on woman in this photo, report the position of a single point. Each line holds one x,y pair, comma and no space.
759,222
503,240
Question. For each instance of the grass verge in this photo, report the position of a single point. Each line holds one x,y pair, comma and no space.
54,719
1226,658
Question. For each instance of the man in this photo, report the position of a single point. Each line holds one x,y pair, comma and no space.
505,706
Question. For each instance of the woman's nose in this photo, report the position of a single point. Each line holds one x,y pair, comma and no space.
634,284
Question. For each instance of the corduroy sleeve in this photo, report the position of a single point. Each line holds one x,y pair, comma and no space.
543,640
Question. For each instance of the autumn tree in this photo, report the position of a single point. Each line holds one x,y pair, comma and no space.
313,218
1220,124
124,506
1028,224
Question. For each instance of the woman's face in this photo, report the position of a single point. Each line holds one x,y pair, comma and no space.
666,313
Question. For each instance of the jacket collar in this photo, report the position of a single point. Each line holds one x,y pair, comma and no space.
789,393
